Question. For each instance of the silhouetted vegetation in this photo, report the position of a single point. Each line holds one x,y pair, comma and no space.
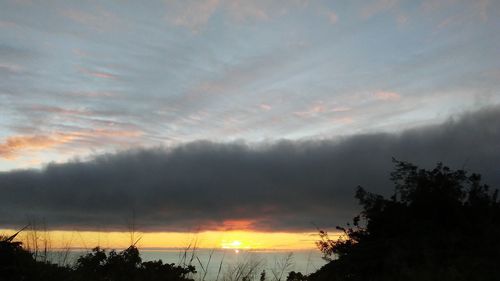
18,264
439,224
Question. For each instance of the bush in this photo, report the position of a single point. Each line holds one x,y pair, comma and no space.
18,264
439,224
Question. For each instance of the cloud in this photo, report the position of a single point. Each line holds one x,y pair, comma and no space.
16,146
196,14
97,74
387,96
285,185
10,68
97,18
332,17
469,11
265,106
320,108
12,146
191,14
241,10
377,6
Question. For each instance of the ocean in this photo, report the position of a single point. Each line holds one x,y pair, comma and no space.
222,264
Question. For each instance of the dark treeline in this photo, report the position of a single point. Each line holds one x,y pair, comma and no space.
439,224
18,264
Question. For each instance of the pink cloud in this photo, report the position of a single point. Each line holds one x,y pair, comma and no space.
265,106
332,17
320,108
387,96
102,75
105,133
98,74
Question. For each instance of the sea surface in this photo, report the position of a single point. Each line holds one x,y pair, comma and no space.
220,263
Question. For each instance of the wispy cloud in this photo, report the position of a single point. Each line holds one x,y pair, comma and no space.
265,106
16,145
252,70
374,7
97,74
387,96
97,18
332,17
196,14
191,13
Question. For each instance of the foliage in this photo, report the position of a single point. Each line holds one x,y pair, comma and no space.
17,263
440,224
296,276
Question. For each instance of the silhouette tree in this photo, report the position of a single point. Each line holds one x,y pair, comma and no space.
439,224
126,265
16,263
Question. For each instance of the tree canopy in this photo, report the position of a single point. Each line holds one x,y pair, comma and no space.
439,224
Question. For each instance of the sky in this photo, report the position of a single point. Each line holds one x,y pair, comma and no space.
257,116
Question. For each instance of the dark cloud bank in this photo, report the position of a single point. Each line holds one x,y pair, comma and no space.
286,185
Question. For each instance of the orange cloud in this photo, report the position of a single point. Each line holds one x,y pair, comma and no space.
237,224
12,146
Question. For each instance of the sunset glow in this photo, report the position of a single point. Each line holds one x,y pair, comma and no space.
235,240
240,127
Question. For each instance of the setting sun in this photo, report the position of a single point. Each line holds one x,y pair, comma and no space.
235,240
232,245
